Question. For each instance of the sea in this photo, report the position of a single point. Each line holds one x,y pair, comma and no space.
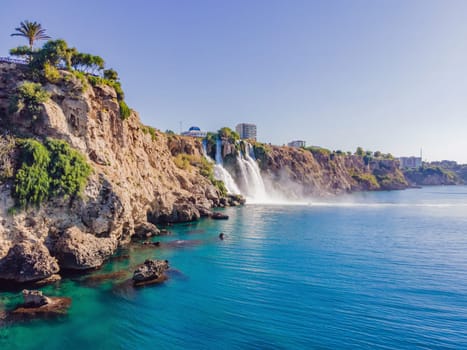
376,270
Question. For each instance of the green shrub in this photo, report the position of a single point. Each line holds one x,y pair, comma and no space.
111,74
150,130
182,161
32,181
369,180
319,151
229,134
68,169
125,111
220,186
51,73
29,97
48,170
82,78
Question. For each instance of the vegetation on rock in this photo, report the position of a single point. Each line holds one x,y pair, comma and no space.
29,97
56,55
48,170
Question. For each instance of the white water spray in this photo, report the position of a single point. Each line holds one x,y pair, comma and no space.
220,173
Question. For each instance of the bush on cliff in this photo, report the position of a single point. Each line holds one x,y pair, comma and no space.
367,180
32,181
68,169
229,134
48,170
29,97
45,62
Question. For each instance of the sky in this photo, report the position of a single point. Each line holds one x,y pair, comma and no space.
388,75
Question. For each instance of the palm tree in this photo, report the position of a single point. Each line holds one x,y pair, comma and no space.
32,31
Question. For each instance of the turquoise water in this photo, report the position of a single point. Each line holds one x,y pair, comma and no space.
384,270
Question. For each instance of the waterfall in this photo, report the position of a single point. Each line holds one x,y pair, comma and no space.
220,173
219,151
253,184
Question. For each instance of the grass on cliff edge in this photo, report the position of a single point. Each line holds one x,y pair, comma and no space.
48,170
186,161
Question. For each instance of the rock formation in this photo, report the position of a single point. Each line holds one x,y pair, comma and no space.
152,271
136,180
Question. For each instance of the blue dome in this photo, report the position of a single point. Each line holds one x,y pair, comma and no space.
194,128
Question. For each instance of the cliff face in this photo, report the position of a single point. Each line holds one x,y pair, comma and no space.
320,173
135,177
300,173
432,176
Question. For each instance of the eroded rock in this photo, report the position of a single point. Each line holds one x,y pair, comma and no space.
152,271
78,250
28,262
146,230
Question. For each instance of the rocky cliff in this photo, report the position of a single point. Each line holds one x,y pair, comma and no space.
136,177
303,173
429,175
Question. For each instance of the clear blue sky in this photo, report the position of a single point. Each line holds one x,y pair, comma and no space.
387,75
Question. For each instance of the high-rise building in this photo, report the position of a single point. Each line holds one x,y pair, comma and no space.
246,131
297,143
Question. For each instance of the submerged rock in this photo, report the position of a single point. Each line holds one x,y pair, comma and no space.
28,262
34,298
38,305
152,271
219,216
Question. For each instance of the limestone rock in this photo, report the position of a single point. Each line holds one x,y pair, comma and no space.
28,262
78,250
150,271
34,298
146,230
219,216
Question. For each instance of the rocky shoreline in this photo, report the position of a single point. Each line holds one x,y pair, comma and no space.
140,179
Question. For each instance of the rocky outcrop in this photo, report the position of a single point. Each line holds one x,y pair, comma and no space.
78,250
28,261
219,216
135,182
152,271
146,230
38,305
34,298
432,176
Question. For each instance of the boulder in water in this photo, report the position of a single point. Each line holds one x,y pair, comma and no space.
152,271
146,230
38,305
219,216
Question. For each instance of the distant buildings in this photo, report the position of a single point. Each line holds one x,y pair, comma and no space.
410,162
297,143
246,131
194,131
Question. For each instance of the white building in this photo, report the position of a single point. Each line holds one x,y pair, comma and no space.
410,162
246,131
297,143
194,131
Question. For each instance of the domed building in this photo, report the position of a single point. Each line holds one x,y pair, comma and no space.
194,131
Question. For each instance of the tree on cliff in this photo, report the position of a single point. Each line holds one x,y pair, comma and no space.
33,31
